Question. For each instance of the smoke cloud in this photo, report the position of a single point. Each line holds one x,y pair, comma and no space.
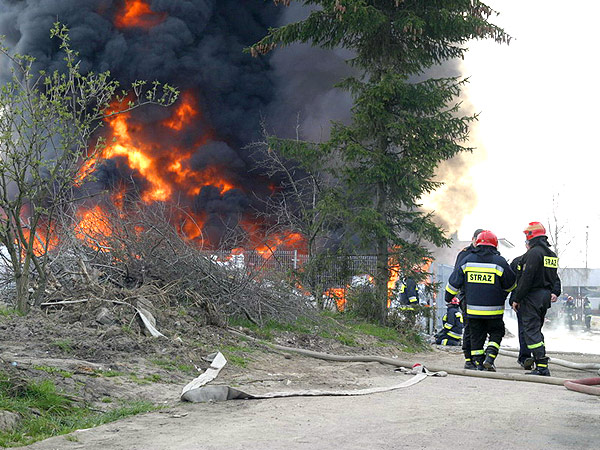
197,46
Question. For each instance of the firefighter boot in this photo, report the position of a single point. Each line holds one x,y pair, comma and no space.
541,368
488,363
470,365
528,363
478,361
490,356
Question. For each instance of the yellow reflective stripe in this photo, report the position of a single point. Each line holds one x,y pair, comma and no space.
539,344
514,286
542,365
444,342
477,312
454,335
477,352
451,289
492,355
412,299
483,267
494,344
445,317
467,359
447,325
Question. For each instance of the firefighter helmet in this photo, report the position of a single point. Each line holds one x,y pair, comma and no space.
455,301
486,237
534,230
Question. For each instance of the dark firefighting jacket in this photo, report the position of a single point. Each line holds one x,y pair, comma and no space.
452,323
538,270
587,308
516,267
408,293
486,279
461,255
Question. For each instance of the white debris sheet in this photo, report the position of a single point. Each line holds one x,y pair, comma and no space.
197,390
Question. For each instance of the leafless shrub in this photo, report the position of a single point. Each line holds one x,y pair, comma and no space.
141,251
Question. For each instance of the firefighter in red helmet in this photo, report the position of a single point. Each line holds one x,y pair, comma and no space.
486,279
539,285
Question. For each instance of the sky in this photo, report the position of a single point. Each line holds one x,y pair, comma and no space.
537,135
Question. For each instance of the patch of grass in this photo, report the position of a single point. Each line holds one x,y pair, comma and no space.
154,378
9,312
65,345
236,360
371,329
127,329
109,373
106,400
46,412
301,326
54,370
173,365
71,438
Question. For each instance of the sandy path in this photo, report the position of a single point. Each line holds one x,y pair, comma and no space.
438,413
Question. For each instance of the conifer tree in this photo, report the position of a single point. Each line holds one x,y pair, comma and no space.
401,129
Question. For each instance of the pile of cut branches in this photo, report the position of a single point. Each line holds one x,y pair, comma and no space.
124,257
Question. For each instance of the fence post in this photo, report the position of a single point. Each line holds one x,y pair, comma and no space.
295,259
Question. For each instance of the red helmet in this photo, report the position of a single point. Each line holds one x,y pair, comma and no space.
486,237
534,230
455,301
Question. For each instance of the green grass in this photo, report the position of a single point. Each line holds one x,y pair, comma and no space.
154,378
9,312
109,373
344,328
45,412
302,326
65,345
54,370
173,365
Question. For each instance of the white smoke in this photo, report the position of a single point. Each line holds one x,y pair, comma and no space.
557,337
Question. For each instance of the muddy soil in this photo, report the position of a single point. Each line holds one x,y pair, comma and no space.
118,362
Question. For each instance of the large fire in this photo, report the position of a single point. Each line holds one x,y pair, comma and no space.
137,13
160,155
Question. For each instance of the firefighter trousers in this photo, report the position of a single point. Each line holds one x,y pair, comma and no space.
524,352
480,330
466,342
533,309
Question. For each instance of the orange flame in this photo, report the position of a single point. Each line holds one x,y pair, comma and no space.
339,295
184,113
93,228
137,13
169,172
45,239
268,248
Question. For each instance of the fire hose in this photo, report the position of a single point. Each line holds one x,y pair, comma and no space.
559,362
399,363
589,386
196,391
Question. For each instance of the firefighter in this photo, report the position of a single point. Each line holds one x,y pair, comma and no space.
486,279
587,313
409,295
570,311
525,359
452,325
538,287
466,343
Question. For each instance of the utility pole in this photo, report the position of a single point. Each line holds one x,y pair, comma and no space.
587,228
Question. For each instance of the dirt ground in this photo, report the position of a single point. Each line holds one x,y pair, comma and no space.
435,413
